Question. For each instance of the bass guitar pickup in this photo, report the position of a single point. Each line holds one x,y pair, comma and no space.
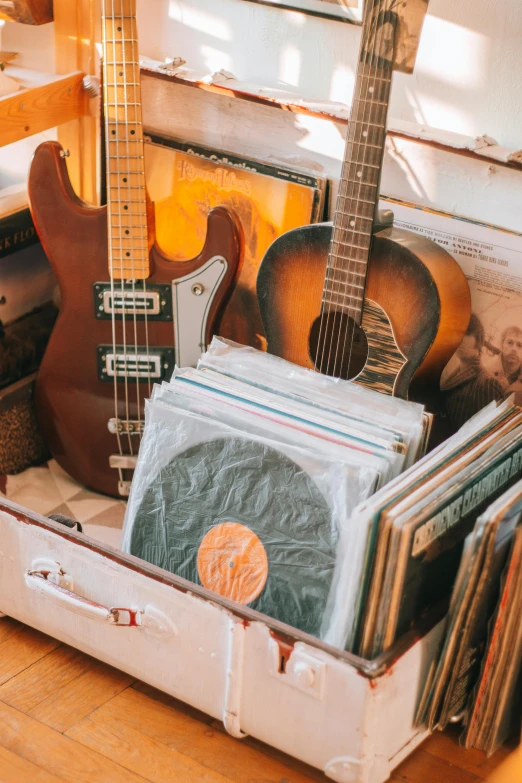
134,363
134,300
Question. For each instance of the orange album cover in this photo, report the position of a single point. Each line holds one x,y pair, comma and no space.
185,182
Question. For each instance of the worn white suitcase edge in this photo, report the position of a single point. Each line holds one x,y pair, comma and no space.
330,709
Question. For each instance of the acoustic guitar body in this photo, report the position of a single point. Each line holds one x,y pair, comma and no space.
416,310
74,406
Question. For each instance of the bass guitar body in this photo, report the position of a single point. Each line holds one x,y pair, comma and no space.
113,340
415,313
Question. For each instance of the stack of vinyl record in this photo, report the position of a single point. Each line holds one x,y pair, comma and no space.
407,540
479,668
249,472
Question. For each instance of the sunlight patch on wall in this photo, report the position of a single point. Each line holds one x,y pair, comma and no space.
215,59
324,138
440,114
290,65
342,85
199,20
452,54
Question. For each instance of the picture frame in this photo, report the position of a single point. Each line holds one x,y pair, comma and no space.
340,10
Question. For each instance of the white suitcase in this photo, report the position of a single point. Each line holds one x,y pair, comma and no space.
351,718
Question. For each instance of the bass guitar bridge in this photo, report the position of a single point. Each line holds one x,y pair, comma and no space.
125,426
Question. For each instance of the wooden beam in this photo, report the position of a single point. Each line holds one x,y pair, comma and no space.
37,108
76,24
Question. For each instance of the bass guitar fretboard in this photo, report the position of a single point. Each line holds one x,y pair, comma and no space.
126,202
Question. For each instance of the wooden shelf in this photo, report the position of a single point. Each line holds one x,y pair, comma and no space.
44,102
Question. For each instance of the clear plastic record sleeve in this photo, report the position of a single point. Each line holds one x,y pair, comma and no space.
406,421
295,415
252,511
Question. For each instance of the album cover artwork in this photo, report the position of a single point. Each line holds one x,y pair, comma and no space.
185,181
488,363
429,544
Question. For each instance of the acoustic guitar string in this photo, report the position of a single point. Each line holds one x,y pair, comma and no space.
372,64
120,217
106,86
383,56
130,189
331,269
367,58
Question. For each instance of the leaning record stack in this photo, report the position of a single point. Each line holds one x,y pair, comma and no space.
249,471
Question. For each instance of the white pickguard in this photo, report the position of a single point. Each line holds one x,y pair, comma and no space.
192,297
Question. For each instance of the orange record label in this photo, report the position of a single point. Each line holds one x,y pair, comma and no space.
232,561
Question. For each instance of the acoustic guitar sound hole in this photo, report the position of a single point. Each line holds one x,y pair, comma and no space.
338,346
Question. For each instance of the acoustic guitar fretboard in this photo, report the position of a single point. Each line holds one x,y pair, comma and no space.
360,176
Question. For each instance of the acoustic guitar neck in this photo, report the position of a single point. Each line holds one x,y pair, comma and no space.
358,196
126,201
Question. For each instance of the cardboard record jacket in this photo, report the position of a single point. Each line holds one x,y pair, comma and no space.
242,519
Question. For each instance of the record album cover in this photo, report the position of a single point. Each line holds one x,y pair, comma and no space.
185,181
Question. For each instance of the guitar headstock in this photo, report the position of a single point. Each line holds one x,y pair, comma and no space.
391,32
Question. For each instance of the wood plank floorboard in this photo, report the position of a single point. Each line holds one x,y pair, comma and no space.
65,717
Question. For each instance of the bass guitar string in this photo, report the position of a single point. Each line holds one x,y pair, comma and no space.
131,253
331,271
355,199
109,172
373,65
121,206
143,195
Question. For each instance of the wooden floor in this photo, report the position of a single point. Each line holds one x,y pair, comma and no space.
67,717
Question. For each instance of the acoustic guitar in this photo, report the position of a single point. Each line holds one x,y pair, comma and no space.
127,314
361,298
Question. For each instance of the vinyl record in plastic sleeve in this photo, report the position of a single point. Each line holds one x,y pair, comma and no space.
243,519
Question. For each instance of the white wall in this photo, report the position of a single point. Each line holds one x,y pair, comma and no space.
468,77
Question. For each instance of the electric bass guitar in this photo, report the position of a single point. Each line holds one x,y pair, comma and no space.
362,299
127,314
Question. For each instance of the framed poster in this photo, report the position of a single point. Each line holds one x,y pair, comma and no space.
342,10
